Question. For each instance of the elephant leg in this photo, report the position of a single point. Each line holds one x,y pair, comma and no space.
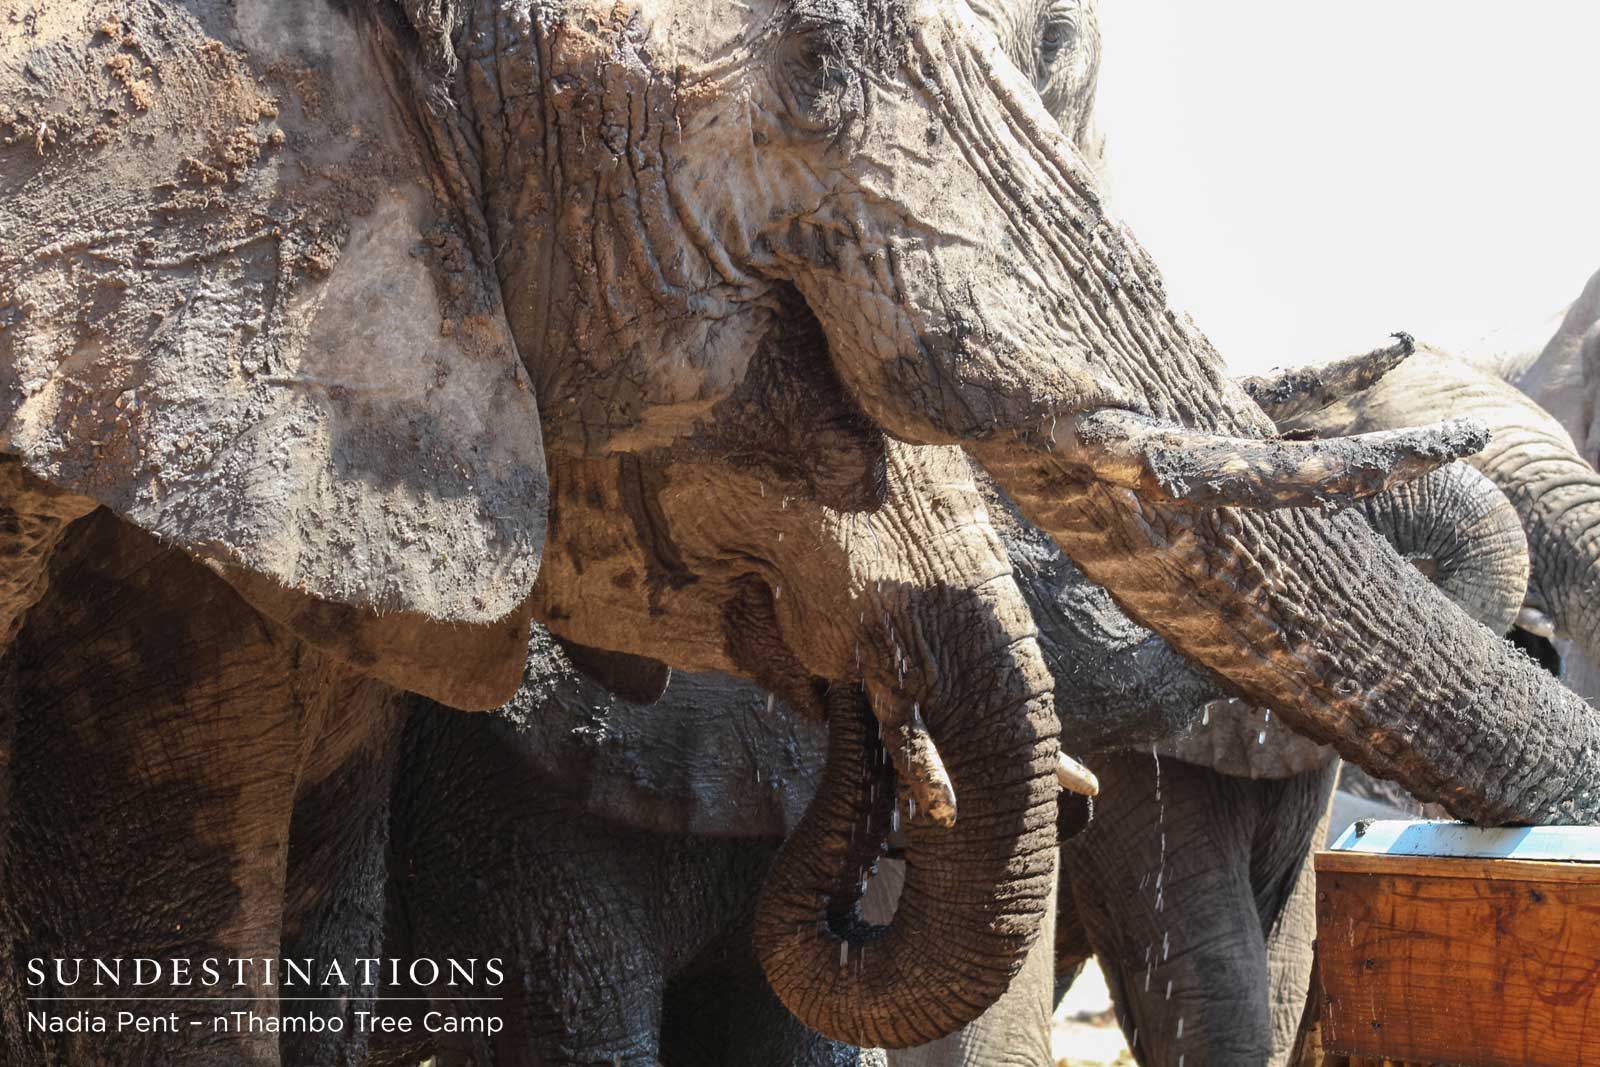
1015,1031
8,734
724,1014
590,918
334,900
1073,950
33,519
1161,878
1293,823
163,727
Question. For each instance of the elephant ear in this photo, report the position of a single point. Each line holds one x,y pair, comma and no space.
246,302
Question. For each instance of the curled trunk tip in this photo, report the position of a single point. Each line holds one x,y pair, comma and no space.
974,896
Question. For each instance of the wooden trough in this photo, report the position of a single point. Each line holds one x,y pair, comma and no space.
1441,943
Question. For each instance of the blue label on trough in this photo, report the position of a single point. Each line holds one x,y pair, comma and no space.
1561,844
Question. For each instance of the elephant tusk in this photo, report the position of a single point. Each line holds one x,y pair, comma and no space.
1285,394
919,766
1074,777
1536,622
1174,465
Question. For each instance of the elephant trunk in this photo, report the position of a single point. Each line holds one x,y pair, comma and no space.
1117,685
974,893
1326,624
1558,496
1461,532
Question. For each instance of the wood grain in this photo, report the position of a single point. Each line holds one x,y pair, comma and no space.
1476,963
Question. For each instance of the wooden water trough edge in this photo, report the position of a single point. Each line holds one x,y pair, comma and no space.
1440,943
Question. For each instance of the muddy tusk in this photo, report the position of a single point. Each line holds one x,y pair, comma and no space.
1074,777
1284,394
919,767
1174,465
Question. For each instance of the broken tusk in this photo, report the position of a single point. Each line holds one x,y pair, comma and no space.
1285,394
917,762
1536,622
1172,464
1074,777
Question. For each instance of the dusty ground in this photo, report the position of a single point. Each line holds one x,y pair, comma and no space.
1086,1033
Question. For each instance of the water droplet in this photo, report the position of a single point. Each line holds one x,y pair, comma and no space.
1169,989
1261,738
844,953
1166,946
777,592
1180,1032
1205,715
770,701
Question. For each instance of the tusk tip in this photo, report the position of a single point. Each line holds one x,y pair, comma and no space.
1536,622
944,815
1074,777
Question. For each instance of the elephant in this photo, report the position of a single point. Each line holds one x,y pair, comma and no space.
609,854
533,332
601,846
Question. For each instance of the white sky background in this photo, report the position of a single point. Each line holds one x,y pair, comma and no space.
1312,176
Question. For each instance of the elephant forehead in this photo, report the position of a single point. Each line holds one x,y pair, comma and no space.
690,37
700,35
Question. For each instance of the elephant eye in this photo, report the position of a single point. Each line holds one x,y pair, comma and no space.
818,76
1059,34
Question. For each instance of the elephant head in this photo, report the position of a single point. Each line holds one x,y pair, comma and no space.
892,167
350,298
1564,374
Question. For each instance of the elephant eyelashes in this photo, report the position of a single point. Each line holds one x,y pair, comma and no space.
1059,34
817,79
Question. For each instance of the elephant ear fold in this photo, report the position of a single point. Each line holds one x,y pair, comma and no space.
246,302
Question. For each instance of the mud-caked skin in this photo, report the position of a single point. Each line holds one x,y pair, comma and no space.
765,159
715,758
